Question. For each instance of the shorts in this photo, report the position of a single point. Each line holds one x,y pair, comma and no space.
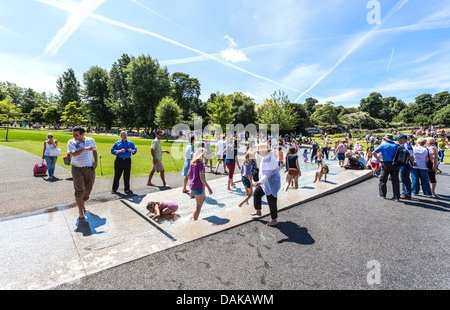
83,181
246,182
375,165
341,156
158,166
187,163
198,192
280,163
432,176
231,167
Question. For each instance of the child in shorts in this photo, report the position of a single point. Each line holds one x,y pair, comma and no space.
164,209
246,177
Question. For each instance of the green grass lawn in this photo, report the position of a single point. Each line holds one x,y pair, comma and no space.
32,141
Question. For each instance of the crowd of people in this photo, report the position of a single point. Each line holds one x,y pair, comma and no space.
398,159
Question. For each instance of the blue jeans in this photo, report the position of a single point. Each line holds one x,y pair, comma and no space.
420,176
405,173
51,164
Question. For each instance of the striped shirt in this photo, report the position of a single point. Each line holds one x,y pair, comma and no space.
85,159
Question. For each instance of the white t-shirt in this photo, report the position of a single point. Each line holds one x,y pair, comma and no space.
221,145
85,159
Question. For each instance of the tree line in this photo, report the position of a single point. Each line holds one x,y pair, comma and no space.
136,92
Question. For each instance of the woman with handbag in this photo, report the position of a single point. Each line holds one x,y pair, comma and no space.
50,154
292,168
419,173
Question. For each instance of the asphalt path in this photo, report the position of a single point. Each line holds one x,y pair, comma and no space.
22,193
349,240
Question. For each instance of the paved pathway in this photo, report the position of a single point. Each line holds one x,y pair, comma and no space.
343,230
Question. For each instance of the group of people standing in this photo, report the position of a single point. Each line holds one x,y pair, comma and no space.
264,179
419,171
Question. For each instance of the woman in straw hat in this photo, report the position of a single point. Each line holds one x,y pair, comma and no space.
269,183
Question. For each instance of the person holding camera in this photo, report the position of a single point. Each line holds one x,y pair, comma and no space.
123,150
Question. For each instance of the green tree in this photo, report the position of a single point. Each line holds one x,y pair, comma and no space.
442,117
361,120
69,89
425,104
243,109
372,104
220,111
441,100
72,114
277,110
148,83
96,94
52,114
186,91
325,115
168,113
119,90
9,113
310,104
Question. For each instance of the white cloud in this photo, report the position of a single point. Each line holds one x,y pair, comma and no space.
233,55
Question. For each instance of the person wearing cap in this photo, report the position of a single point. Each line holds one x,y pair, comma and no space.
405,171
269,183
388,149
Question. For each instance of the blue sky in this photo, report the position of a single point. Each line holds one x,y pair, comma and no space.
307,48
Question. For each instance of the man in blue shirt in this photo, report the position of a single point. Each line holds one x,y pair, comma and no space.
388,150
123,150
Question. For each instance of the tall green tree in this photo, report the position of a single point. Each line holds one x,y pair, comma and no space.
243,108
119,90
69,89
310,104
96,95
186,91
148,83
425,104
372,104
441,100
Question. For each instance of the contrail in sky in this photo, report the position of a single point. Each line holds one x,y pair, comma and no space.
390,60
76,17
397,7
69,8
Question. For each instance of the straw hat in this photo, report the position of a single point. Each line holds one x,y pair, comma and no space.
389,137
262,147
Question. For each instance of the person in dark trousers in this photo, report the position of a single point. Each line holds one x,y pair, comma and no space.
123,150
388,150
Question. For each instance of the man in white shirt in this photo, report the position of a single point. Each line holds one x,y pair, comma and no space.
83,152
221,146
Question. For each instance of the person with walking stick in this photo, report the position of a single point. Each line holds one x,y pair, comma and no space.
123,149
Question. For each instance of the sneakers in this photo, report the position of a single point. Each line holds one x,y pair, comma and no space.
382,197
395,199
405,197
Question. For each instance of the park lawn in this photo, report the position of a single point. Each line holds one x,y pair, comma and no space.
32,141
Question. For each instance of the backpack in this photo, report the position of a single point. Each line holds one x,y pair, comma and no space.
402,157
